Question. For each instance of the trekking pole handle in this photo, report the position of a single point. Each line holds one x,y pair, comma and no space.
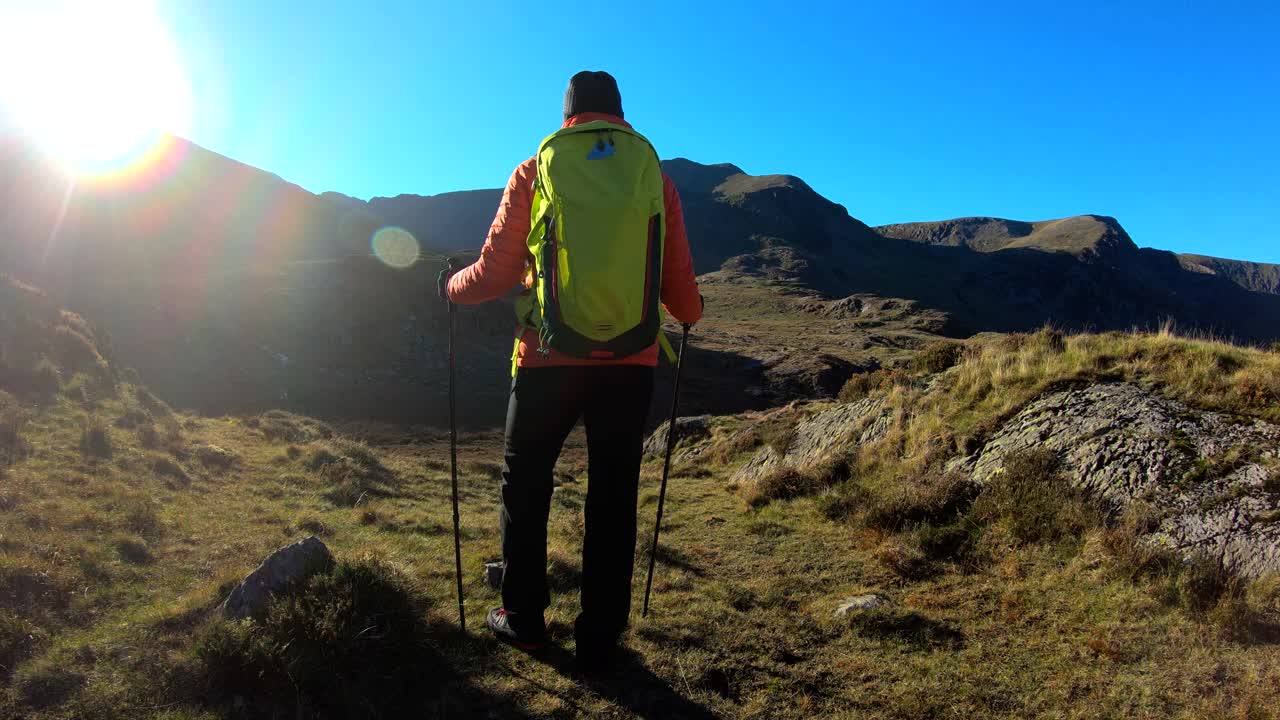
442,282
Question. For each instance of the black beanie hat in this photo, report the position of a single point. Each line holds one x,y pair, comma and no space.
592,91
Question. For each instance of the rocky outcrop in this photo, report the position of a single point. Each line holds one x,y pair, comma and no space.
818,376
819,437
1204,473
281,569
688,430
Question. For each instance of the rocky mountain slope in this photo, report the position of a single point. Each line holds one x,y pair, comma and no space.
227,287
1258,277
1085,236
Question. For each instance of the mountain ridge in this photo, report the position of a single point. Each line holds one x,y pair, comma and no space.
209,272
1084,236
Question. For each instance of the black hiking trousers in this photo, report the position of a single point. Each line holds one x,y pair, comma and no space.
545,404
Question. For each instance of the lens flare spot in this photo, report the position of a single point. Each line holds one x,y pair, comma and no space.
396,247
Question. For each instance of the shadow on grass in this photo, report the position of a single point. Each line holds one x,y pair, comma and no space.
906,628
674,558
629,685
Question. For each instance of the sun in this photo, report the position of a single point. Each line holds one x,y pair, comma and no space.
96,84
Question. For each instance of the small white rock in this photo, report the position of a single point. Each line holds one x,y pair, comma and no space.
862,602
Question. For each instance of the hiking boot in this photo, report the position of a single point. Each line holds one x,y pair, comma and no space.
500,624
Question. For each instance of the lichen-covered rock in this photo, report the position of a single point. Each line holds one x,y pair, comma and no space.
1203,472
282,568
819,437
688,430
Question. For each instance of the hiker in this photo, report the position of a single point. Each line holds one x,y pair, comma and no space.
564,371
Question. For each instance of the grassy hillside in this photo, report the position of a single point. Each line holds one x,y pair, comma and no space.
122,525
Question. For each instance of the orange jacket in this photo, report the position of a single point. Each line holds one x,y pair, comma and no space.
502,263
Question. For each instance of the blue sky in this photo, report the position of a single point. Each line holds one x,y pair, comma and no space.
1163,115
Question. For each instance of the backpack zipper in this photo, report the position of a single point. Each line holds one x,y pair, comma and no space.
548,236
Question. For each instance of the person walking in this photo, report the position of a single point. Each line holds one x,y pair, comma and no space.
594,231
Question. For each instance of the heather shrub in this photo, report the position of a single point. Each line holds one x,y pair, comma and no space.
361,623
926,498
938,356
1034,501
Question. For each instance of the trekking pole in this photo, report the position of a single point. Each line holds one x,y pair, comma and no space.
453,456
666,468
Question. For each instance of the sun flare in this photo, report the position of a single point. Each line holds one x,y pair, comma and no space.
95,84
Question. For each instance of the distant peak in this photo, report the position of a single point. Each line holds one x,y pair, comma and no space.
743,184
685,163
1080,235
692,177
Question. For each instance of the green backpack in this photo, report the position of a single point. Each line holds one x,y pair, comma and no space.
598,228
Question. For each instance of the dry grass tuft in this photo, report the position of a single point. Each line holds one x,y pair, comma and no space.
133,550
1132,556
352,470
216,457
168,468
13,445
904,556
281,426
95,439
783,483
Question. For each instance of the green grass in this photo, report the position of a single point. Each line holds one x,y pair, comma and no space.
1009,602
124,570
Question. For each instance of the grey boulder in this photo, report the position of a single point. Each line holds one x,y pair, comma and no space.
281,569
838,430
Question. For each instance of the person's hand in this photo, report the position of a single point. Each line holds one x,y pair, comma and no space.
442,280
